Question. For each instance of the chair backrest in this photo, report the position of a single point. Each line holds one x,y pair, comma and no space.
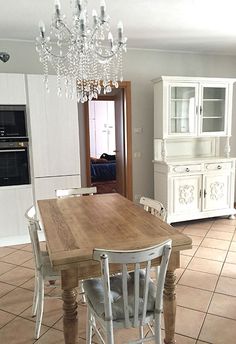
154,207
138,259
33,227
76,192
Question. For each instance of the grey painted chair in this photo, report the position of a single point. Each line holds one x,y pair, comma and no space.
126,300
43,270
154,207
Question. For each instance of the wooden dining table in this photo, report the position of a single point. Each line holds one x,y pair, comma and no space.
74,226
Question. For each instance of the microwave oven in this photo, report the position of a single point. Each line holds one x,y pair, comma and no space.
13,121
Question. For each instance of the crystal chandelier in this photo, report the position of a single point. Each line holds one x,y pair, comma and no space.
84,56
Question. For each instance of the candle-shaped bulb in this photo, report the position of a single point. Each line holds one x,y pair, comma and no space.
42,28
57,7
103,9
110,39
120,31
82,22
95,17
79,6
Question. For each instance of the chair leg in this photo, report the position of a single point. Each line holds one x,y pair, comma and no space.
109,332
36,296
157,327
39,314
89,329
141,336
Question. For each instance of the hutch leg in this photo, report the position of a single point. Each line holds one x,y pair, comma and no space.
69,279
232,217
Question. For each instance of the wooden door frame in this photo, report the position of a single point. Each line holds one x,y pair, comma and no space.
126,87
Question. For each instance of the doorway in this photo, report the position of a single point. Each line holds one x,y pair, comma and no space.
119,159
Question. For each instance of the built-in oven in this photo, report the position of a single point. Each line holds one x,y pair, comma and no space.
14,162
13,121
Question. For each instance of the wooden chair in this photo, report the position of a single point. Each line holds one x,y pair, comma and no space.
43,269
76,192
154,207
128,299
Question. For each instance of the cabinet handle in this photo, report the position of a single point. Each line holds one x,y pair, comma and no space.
200,110
205,193
200,193
219,167
187,169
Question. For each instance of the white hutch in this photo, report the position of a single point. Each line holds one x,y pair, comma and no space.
194,174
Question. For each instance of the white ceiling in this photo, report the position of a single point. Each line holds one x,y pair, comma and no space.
207,26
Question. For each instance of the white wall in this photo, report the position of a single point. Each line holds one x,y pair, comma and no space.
140,66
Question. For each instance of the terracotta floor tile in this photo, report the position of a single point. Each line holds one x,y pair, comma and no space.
16,301
179,273
205,265
184,261
196,240
225,221
223,227
223,305
199,280
206,224
52,336
219,235
193,298
4,267
5,318
18,247
218,330
5,288
17,258
28,248
231,257
19,331
233,246
52,312
184,340
17,276
29,264
190,252
234,237
229,270
188,322
226,286
211,253
4,251
195,231
215,243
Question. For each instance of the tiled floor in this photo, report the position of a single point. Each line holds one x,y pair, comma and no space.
206,291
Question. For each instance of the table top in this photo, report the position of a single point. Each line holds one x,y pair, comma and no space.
74,226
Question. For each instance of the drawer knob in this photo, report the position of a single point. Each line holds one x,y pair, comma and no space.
187,169
219,167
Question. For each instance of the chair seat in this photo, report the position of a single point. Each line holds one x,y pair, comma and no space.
94,292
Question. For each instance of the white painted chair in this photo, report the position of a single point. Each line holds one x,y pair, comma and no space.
43,270
76,192
126,300
154,207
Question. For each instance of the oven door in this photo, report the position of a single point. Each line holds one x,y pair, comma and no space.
14,167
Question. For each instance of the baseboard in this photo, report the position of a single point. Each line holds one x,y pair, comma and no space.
18,240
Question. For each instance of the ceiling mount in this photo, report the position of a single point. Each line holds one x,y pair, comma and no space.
4,57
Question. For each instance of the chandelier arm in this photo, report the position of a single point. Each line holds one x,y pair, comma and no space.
113,53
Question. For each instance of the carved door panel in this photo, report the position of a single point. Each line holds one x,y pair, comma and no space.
187,194
216,191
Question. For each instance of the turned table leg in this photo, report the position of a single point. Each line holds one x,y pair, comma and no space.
169,307
69,280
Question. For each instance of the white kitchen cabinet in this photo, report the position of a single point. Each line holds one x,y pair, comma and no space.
192,107
194,175
12,89
14,200
54,130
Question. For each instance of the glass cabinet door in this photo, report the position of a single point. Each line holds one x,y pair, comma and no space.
213,109
182,111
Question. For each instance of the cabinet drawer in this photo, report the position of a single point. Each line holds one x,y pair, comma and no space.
185,168
219,166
